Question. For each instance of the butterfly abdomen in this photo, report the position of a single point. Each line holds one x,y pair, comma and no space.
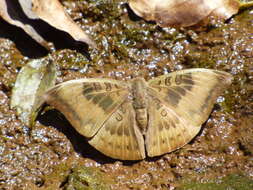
140,104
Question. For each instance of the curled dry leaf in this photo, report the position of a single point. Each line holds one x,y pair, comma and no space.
183,13
6,9
50,11
32,81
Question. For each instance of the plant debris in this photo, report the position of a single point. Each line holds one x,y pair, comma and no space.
181,13
50,11
32,81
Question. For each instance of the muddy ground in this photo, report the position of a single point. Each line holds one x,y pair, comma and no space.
52,155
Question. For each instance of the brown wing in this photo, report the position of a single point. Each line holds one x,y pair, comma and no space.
119,137
87,103
180,103
167,130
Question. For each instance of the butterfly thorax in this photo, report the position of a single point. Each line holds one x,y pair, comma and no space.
138,89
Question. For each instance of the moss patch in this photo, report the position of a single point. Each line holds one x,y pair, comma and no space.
231,182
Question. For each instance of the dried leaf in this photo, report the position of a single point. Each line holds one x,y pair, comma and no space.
32,81
51,11
4,13
183,13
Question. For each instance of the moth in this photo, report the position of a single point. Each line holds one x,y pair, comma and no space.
135,119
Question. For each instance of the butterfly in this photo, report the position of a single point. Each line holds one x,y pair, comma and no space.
130,120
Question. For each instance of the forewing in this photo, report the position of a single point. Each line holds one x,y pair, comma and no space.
119,137
186,96
87,103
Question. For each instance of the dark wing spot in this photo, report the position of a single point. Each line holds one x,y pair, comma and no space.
160,127
122,109
173,124
108,86
187,87
116,86
120,131
126,131
173,98
119,117
166,125
158,103
97,86
167,81
97,98
172,139
158,84
208,100
178,79
85,85
164,113
66,107
112,130
179,90
106,102
87,90
187,79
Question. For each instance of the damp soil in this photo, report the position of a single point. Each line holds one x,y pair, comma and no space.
52,155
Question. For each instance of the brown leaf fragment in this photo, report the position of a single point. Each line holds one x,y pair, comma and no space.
183,13
53,13
226,9
50,11
5,14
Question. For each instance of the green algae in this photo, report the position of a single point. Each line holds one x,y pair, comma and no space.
53,180
85,178
231,182
77,178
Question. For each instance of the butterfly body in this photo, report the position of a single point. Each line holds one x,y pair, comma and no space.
140,102
127,120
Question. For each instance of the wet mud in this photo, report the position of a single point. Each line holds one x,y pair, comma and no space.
52,155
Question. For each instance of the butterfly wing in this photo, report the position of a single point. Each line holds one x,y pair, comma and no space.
167,130
87,103
119,137
179,103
